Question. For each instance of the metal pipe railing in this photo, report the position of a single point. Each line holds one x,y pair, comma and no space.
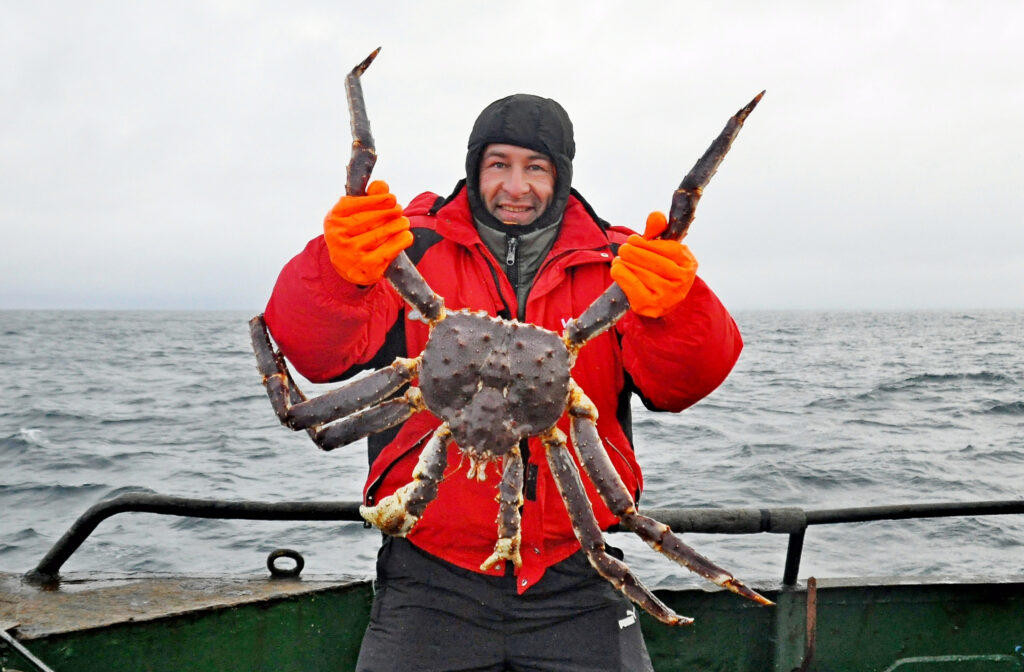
48,568
781,520
865,514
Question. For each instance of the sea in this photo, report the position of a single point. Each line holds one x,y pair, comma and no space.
823,410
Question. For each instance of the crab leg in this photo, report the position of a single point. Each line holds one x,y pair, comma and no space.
684,200
362,393
613,492
601,315
364,152
281,388
294,410
277,379
372,420
399,512
613,304
584,524
510,498
402,273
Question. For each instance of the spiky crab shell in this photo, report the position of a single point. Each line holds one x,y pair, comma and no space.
494,381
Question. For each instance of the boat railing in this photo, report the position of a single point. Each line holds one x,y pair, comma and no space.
793,521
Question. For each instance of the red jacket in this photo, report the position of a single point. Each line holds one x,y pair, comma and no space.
327,327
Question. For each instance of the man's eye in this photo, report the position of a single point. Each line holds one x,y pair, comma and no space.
497,164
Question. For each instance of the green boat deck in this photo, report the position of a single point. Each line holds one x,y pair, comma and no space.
152,623
251,624
93,622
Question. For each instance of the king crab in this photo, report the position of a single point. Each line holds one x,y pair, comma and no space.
494,382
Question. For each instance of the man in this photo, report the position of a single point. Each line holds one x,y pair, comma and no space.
515,240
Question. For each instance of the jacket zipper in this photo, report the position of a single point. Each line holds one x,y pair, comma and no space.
512,246
511,249
625,462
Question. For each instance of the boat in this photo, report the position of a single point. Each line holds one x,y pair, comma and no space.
285,621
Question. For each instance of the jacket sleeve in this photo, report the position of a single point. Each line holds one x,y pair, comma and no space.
680,358
324,324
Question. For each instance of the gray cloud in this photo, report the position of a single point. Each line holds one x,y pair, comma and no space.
176,155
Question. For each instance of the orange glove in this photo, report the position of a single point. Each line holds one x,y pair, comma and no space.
654,274
365,233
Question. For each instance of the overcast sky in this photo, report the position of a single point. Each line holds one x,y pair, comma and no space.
177,154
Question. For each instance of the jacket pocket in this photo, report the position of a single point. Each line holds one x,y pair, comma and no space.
370,493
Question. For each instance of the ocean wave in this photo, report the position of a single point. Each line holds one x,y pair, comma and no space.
36,496
128,490
150,421
33,436
834,402
54,416
244,399
1010,408
942,378
905,425
141,401
79,463
925,387
19,538
213,525
26,439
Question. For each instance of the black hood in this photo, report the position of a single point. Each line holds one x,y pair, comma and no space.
528,121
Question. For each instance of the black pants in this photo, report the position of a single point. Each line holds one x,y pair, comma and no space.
429,615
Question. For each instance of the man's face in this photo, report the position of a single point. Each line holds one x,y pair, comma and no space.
516,184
